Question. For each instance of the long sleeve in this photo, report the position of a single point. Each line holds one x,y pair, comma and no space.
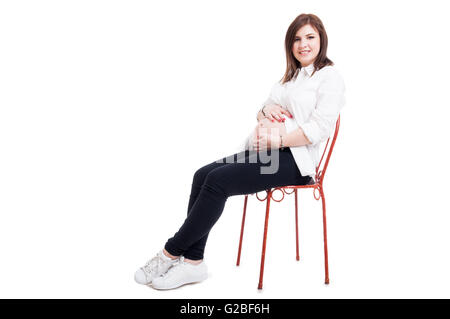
330,100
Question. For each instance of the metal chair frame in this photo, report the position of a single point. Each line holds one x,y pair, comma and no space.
316,186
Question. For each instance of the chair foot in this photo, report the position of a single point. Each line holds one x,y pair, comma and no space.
296,227
238,261
263,252
327,280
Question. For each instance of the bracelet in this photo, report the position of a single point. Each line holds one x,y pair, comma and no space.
262,111
281,142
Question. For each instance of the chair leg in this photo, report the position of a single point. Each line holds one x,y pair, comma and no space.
296,226
327,279
242,231
263,253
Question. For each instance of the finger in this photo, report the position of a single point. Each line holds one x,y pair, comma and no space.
276,117
281,116
270,117
260,145
286,112
263,144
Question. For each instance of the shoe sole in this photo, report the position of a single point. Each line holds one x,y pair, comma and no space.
182,284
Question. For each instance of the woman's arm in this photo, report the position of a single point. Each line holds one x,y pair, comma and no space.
295,138
330,100
267,138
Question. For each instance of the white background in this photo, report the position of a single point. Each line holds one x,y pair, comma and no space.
107,108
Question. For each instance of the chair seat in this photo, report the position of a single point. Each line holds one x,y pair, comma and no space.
310,184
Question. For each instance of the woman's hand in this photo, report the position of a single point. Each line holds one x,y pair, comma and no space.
267,139
275,112
265,128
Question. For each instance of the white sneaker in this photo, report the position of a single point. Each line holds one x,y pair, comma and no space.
155,267
181,274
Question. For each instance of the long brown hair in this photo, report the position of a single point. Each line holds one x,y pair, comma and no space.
291,62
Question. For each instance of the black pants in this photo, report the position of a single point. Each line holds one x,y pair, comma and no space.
215,182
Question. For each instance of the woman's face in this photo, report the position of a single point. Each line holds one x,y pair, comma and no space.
306,45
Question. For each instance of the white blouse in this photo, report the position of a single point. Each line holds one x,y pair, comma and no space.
315,102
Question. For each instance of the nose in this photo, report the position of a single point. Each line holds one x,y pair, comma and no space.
302,45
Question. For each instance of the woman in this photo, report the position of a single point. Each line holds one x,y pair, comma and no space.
300,113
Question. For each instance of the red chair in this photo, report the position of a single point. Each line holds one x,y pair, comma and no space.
316,186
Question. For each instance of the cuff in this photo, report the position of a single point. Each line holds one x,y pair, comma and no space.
311,131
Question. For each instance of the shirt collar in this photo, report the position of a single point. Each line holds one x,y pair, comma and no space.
308,69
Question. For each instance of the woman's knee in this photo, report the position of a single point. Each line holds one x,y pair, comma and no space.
201,173
215,181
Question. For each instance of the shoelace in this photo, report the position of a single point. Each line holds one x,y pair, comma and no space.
153,264
180,261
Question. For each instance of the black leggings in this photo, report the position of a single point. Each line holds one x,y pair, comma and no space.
215,182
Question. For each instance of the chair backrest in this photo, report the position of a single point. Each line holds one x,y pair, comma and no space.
320,170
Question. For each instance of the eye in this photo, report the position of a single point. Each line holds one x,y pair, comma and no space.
310,37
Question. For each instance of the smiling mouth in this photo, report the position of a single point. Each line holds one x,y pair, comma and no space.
304,52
